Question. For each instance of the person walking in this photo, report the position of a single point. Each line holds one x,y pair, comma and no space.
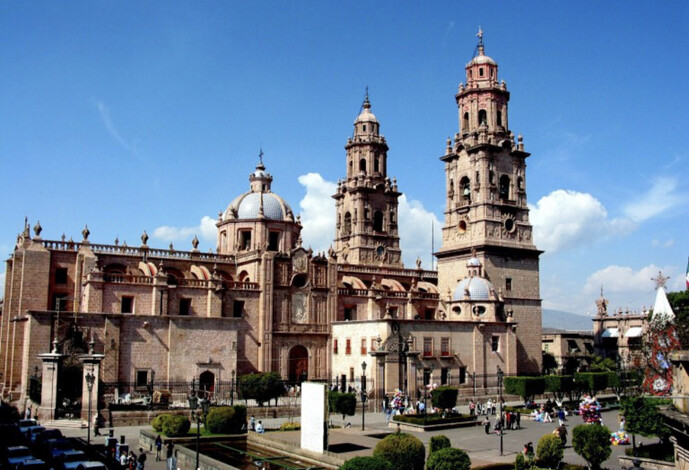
141,460
560,417
562,432
472,408
124,460
171,464
486,425
252,423
159,447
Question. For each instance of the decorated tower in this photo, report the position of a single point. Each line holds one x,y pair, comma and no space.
366,200
486,206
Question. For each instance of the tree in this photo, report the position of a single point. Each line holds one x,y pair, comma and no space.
525,387
343,403
550,364
549,451
449,458
641,417
559,385
366,463
679,301
592,382
444,398
262,387
602,364
403,451
592,443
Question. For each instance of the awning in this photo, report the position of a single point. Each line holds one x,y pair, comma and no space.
633,332
611,333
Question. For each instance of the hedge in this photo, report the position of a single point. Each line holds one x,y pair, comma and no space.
342,403
176,426
403,451
436,418
525,387
438,442
158,422
444,397
262,387
449,459
367,463
592,381
226,419
549,451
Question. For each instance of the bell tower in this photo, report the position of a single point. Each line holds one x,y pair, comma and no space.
486,207
366,200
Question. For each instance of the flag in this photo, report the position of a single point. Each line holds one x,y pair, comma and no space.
688,274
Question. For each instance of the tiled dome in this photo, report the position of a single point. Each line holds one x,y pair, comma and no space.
479,289
247,206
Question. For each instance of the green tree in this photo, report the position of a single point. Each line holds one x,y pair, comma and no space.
679,301
444,398
438,442
449,458
592,382
226,419
559,385
525,387
550,451
262,387
600,364
642,417
367,463
550,364
342,403
403,451
592,443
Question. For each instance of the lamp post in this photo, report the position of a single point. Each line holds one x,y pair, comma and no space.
194,403
501,377
90,379
232,389
363,395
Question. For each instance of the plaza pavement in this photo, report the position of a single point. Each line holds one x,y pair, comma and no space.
352,441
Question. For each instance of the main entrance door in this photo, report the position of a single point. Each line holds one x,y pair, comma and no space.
298,364
207,383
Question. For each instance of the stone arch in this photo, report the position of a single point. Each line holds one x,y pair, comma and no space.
244,277
378,221
298,364
347,229
504,189
207,383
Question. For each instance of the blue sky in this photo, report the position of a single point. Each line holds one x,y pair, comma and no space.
132,116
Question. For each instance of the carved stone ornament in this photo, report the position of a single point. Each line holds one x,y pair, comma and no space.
37,229
299,262
86,232
195,242
299,313
144,237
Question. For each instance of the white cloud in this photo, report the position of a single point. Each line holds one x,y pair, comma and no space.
318,219
660,197
104,112
622,279
318,212
565,219
206,230
669,243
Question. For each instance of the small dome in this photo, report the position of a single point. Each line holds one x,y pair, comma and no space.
478,287
247,206
481,60
366,116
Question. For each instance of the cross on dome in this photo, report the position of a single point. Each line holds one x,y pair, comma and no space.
479,35
661,280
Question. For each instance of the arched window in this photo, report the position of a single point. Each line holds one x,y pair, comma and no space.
482,117
378,221
347,229
376,164
465,186
362,165
504,190
465,123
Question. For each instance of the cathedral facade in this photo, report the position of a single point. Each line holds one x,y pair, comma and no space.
263,302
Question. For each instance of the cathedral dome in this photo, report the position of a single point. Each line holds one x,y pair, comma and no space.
247,206
478,288
366,115
481,59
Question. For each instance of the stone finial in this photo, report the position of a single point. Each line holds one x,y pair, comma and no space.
219,215
117,241
92,345
63,237
172,247
37,229
86,232
144,238
195,242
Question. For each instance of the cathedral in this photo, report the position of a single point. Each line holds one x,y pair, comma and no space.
263,302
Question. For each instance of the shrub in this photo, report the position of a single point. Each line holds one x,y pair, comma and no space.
642,417
525,387
436,418
559,385
158,422
262,387
549,451
176,426
592,443
444,398
438,442
592,381
226,419
342,403
290,426
403,451
449,459
367,463
520,462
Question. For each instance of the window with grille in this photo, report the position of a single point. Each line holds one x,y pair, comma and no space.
348,346
335,351
445,347
428,347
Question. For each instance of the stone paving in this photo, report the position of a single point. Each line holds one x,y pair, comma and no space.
482,448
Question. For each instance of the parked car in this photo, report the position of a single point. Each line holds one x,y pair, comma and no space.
25,424
92,465
44,436
33,432
16,455
32,464
56,447
69,460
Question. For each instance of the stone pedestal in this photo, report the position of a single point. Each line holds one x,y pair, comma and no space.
51,372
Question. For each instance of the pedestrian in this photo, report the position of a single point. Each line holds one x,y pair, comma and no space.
508,420
170,456
561,417
528,449
486,425
518,421
386,404
562,432
252,423
131,461
27,414
472,408
259,427
96,425
124,460
141,460
159,447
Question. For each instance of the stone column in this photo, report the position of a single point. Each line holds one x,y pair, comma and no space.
378,373
51,372
91,363
412,360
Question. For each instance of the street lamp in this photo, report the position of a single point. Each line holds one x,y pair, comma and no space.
90,379
363,395
232,389
501,377
194,403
